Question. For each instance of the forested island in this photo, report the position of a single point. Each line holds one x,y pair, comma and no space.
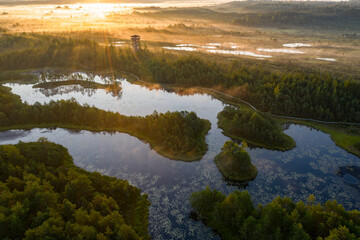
234,162
177,135
252,127
45,196
235,217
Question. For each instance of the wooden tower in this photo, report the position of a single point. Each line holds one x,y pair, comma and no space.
135,39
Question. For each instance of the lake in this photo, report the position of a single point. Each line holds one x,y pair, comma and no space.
310,168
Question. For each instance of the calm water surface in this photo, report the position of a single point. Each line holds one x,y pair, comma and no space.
310,168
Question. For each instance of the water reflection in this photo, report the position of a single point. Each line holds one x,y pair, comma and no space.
62,90
350,175
310,168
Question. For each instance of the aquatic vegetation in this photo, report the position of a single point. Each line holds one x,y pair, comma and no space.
351,175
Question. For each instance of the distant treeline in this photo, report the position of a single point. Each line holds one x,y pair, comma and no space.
45,196
279,14
272,14
295,92
178,135
280,19
235,217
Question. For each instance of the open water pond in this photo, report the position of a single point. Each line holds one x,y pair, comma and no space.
310,168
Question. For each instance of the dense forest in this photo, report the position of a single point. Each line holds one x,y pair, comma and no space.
294,18
45,196
259,130
235,217
177,135
331,15
297,93
234,162
309,15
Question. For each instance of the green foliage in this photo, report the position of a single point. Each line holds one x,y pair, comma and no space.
297,93
258,130
234,162
235,217
296,18
37,51
308,15
44,196
178,135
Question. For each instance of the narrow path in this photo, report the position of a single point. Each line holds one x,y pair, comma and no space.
250,105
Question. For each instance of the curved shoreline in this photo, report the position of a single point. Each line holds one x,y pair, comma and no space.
334,129
336,136
249,104
158,149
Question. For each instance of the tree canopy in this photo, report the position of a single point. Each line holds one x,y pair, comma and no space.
45,196
235,217
234,162
248,125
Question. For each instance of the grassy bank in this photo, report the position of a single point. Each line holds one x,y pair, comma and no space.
345,137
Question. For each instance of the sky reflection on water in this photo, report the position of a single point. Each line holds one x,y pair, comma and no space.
310,168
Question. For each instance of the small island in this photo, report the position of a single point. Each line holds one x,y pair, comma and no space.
254,128
234,163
